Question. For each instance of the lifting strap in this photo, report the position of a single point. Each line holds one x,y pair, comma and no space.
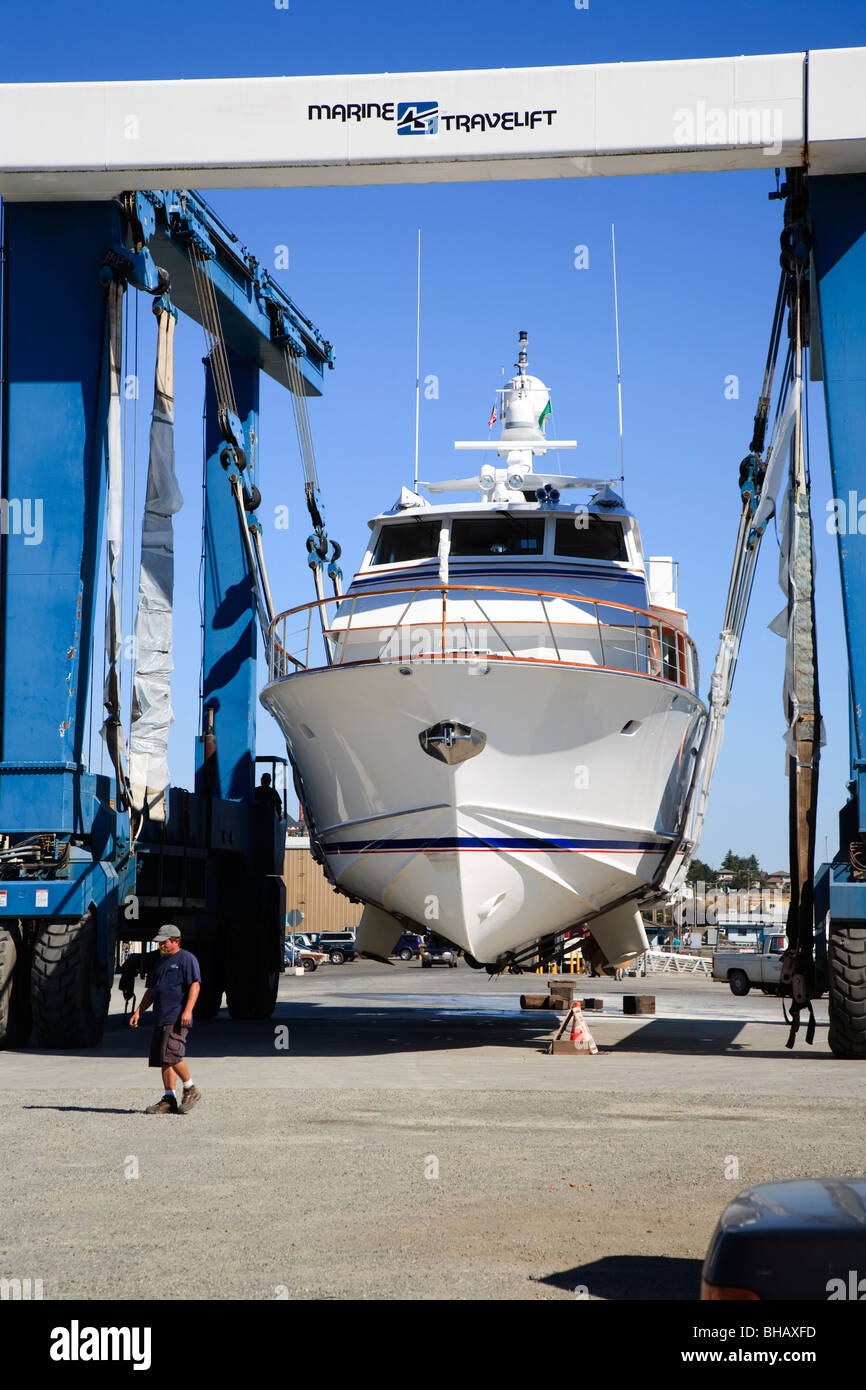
803,736
152,715
112,727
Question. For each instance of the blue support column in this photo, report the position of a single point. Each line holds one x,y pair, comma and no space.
230,623
52,509
53,504
838,215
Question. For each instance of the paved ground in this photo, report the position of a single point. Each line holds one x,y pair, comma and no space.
399,1133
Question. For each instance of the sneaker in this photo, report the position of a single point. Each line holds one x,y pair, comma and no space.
167,1105
190,1096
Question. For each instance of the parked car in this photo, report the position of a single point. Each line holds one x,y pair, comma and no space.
338,945
438,955
742,969
302,939
409,945
294,955
798,1239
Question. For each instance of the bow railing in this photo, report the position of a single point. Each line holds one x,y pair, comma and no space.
481,624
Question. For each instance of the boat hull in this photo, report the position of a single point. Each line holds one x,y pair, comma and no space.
570,803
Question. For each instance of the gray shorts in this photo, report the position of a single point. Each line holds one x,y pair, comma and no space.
167,1045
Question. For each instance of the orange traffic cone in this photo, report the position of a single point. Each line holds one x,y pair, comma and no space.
580,1035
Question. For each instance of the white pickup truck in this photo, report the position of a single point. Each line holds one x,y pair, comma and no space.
742,969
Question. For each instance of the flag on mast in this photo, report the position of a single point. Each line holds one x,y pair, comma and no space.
544,414
492,421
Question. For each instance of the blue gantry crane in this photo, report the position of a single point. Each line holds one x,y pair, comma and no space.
71,854
84,862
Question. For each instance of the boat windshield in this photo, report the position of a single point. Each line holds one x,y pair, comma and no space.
417,539
590,537
497,535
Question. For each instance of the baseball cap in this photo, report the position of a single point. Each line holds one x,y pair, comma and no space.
167,933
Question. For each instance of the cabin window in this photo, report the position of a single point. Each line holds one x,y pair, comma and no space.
599,539
409,540
497,535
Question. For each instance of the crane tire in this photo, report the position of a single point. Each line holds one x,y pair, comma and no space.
251,974
69,988
847,991
16,1021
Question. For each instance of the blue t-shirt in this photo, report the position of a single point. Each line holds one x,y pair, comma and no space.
170,980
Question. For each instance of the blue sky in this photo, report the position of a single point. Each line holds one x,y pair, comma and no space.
697,262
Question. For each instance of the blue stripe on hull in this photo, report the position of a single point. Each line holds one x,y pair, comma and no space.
473,842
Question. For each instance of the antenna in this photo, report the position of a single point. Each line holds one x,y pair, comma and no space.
522,345
618,369
418,362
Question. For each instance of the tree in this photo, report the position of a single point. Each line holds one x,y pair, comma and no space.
745,869
699,872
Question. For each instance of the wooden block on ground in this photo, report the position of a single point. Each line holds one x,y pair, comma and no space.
593,1005
638,1003
564,1047
560,990
535,1001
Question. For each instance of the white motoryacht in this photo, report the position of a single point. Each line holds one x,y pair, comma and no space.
498,743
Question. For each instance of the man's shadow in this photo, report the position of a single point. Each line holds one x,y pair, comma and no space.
86,1109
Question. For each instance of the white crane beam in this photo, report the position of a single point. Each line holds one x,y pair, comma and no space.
95,139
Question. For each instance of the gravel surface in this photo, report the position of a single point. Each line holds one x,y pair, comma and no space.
413,1142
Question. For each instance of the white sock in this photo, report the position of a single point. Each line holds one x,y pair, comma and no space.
187,1084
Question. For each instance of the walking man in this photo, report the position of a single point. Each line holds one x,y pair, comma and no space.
173,986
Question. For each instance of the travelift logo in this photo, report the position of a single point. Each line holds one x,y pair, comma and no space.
417,117
424,117
76,1343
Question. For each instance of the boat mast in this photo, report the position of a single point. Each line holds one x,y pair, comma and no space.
417,364
618,369
522,343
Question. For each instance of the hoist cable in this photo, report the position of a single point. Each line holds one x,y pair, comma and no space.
301,418
760,425
265,617
738,561
211,322
739,595
786,379
227,377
